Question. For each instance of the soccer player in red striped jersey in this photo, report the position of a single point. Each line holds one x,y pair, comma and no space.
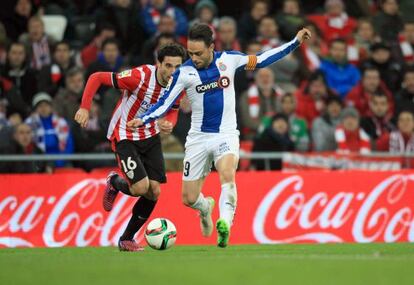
138,152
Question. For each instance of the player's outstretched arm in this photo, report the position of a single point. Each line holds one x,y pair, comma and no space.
251,62
164,104
94,82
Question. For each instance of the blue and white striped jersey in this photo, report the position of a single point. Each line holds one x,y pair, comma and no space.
211,90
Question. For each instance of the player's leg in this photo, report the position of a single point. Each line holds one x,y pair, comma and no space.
131,165
226,165
142,211
197,163
152,158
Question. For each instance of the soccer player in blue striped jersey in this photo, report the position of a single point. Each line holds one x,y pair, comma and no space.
208,79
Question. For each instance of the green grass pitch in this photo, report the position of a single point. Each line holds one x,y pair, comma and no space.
243,264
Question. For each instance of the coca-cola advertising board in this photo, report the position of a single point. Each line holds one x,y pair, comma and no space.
273,207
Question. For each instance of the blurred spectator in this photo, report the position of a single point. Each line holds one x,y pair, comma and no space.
168,25
249,22
67,100
359,45
153,11
290,19
286,69
37,43
298,129
406,41
335,22
4,43
388,22
312,51
274,138
90,52
245,78
268,33
360,95
340,75
323,127
109,59
22,77
402,139
311,97
15,21
205,12
407,8
404,100
122,14
259,102
390,70
151,46
349,137
91,139
378,121
52,76
226,35
170,143
51,132
22,143
6,133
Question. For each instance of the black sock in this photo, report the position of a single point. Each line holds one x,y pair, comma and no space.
140,214
120,184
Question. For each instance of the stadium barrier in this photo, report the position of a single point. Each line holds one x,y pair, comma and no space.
291,160
274,207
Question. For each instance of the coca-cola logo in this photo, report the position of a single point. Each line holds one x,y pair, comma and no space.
72,219
288,213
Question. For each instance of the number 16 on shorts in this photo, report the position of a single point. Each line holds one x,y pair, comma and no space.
129,166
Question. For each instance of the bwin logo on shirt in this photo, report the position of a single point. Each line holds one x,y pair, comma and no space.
222,82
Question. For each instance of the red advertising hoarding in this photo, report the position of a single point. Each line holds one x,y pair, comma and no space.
312,206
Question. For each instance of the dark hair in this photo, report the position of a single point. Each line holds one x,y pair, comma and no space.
286,95
201,32
333,99
405,110
370,68
164,36
104,26
66,43
408,69
268,17
15,44
379,94
280,116
110,41
171,50
73,71
254,2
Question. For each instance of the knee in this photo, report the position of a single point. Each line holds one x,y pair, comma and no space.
154,192
188,199
140,188
227,175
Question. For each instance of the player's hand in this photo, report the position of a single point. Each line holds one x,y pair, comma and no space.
165,126
133,124
303,35
82,117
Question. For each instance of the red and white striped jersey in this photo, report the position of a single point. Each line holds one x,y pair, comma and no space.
140,90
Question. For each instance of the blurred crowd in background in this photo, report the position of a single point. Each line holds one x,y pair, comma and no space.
349,89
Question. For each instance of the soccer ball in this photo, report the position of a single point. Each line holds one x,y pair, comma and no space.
160,234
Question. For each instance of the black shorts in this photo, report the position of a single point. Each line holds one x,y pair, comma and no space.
139,159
